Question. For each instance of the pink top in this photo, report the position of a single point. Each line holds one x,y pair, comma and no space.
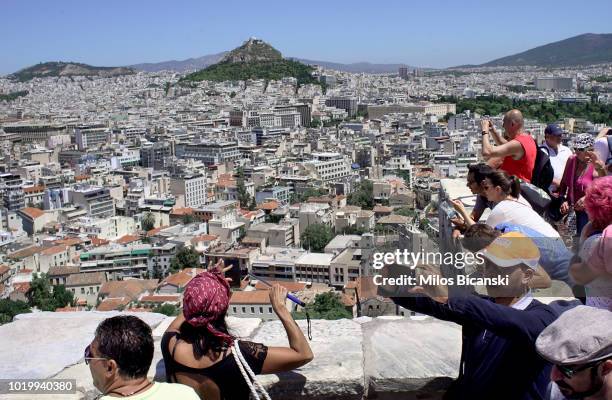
576,185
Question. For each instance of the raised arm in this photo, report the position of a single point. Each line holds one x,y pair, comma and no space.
460,208
512,148
280,359
497,137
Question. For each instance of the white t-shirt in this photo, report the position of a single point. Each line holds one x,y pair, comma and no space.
162,391
599,290
558,159
517,213
602,149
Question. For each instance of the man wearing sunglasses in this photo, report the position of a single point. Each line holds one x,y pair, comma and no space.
119,359
579,345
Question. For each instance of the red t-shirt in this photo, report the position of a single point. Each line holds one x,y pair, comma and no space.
524,167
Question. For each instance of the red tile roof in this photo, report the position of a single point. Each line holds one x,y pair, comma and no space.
204,238
382,209
69,309
181,278
127,239
34,189
179,211
49,251
21,287
290,286
71,241
269,205
25,253
113,304
250,297
155,231
96,241
32,212
131,288
158,298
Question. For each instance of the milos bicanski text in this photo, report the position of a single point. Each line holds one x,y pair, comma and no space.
413,259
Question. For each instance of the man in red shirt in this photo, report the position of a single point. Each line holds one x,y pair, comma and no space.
515,155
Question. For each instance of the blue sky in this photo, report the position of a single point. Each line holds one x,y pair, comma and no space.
428,34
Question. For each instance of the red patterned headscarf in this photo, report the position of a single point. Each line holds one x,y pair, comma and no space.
205,300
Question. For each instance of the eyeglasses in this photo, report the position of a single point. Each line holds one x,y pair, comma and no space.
581,150
88,355
569,372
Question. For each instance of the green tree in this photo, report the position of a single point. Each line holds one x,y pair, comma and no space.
62,296
325,306
188,219
47,298
252,204
316,236
157,271
406,212
273,218
166,309
353,230
10,308
242,233
186,257
309,192
363,196
446,117
243,195
265,69
148,222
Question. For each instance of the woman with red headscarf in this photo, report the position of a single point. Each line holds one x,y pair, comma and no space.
200,352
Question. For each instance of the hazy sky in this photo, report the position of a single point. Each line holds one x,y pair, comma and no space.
430,33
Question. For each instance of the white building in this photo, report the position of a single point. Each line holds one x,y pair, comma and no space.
89,137
554,83
192,187
328,166
96,200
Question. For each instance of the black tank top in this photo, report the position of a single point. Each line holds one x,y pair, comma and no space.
225,373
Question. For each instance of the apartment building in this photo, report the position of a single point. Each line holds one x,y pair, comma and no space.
96,200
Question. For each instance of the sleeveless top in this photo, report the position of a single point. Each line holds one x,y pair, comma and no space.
225,373
522,168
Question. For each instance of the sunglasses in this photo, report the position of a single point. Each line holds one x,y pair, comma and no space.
569,372
581,150
88,355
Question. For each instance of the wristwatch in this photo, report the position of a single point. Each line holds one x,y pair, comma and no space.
484,132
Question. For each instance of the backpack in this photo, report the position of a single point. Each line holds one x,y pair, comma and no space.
543,172
609,159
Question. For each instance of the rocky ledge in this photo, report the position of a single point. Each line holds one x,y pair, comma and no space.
383,358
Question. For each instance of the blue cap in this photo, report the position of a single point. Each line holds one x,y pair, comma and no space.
553,129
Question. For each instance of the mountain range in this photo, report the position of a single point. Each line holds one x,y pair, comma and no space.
60,68
585,49
192,64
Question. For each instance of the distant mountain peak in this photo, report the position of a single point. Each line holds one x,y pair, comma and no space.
585,49
63,68
252,50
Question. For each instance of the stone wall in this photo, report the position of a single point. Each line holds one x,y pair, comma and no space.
383,358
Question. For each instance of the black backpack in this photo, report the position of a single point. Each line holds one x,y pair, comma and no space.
609,160
543,172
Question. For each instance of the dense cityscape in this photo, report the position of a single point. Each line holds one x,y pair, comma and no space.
118,190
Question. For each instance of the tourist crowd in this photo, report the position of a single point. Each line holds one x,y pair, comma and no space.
515,345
